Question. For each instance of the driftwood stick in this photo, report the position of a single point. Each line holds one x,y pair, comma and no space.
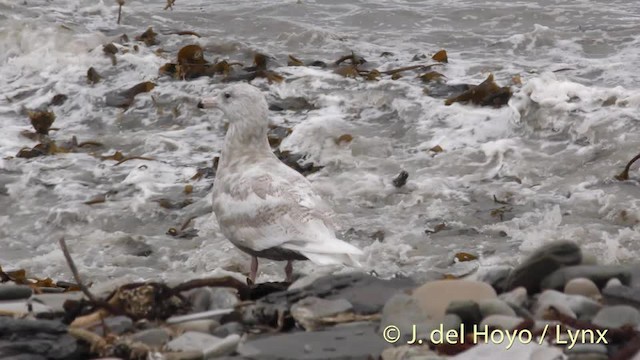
74,271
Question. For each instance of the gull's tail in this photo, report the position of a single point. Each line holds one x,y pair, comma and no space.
330,252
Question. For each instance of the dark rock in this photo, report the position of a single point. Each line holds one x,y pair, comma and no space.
14,292
135,247
467,310
58,99
400,180
543,262
11,326
366,293
296,162
291,103
345,342
599,274
621,295
45,345
228,329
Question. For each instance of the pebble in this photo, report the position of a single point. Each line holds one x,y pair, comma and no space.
208,298
621,294
223,347
617,316
115,324
403,311
503,322
599,274
467,310
193,340
14,292
495,307
309,311
543,262
517,296
152,337
204,326
576,306
584,287
434,297
613,282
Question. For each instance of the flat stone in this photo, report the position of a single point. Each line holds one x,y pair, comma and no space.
599,274
152,337
617,316
467,310
434,297
517,296
310,310
576,306
23,307
204,326
55,302
495,307
228,329
367,294
11,326
14,292
225,346
543,262
193,341
37,344
503,322
584,287
352,342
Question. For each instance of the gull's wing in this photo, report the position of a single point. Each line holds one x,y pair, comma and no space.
274,206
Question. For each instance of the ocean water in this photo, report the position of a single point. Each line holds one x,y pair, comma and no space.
549,157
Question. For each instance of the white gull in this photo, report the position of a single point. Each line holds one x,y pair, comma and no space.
264,207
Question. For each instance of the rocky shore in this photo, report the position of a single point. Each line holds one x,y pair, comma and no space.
555,305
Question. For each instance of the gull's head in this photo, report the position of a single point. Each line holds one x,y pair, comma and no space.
242,104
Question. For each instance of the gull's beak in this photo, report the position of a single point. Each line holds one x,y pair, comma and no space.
208,103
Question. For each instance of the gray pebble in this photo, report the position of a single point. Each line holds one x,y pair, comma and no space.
617,316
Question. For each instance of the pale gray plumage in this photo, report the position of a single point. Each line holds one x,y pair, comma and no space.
263,206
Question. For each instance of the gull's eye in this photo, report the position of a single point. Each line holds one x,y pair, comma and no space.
227,95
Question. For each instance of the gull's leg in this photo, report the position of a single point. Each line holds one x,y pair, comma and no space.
254,269
288,270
